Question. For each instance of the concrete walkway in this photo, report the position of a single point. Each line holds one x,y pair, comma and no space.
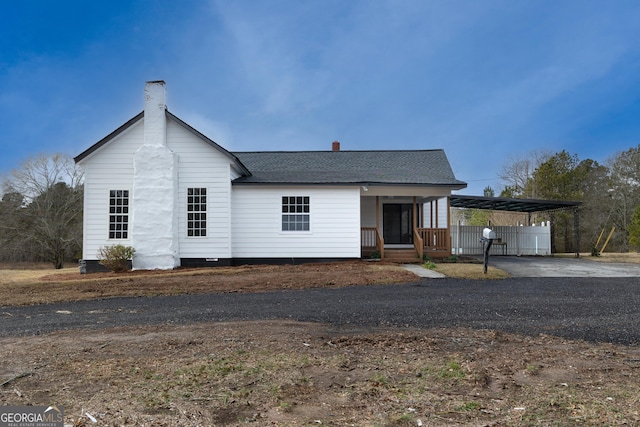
420,271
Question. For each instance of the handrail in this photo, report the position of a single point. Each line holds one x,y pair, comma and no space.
372,238
435,239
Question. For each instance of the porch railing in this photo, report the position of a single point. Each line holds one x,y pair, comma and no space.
435,239
371,239
424,240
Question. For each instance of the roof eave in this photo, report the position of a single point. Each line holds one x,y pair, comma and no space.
181,122
452,186
86,153
211,142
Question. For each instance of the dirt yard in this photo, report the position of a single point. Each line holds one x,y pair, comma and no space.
281,373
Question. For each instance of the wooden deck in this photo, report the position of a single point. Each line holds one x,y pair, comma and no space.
432,242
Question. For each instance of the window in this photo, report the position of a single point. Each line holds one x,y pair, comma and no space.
119,214
196,212
295,213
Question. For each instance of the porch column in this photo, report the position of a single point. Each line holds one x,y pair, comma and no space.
448,226
378,232
415,213
377,212
418,243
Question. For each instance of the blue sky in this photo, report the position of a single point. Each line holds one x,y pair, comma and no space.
484,80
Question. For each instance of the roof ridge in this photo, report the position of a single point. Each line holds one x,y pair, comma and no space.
339,151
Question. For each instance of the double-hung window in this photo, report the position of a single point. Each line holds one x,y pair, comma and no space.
119,214
196,212
295,213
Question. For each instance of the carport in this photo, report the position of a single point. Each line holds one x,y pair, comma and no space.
528,206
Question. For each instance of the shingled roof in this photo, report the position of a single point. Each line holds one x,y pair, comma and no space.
385,167
414,167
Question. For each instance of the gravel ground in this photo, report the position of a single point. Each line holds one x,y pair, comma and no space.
592,309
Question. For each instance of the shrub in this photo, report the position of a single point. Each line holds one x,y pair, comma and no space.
116,258
430,265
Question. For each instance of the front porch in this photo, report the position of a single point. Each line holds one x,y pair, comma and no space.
405,229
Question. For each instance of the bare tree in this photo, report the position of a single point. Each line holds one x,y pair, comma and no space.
38,174
518,174
48,220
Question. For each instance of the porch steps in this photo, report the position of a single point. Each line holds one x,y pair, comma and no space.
401,255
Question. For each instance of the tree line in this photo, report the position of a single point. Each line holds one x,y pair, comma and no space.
41,211
609,193
41,205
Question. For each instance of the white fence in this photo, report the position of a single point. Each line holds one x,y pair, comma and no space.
512,240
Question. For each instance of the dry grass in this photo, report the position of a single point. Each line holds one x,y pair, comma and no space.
630,257
45,286
469,271
16,276
297,374
41,284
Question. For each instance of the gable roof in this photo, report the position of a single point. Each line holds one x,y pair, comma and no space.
384,167
138,117
412,167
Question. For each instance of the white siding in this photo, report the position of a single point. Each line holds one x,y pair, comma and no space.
257,223
368,211
202,166
234,173
436,213
109,168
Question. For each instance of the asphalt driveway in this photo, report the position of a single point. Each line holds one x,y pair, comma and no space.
593,309
562,267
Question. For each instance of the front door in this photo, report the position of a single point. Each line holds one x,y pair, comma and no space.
397,223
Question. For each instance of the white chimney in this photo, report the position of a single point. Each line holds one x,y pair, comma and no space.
155,119
154,231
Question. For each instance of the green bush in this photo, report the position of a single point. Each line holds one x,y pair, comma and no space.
430,265
116,258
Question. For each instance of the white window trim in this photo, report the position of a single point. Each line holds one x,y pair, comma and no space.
128,215
206,211
296,232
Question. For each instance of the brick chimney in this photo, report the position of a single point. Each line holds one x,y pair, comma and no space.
335,146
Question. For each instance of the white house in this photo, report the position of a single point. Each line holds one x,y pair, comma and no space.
180,199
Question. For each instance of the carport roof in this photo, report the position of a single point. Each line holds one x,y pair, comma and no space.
511,205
